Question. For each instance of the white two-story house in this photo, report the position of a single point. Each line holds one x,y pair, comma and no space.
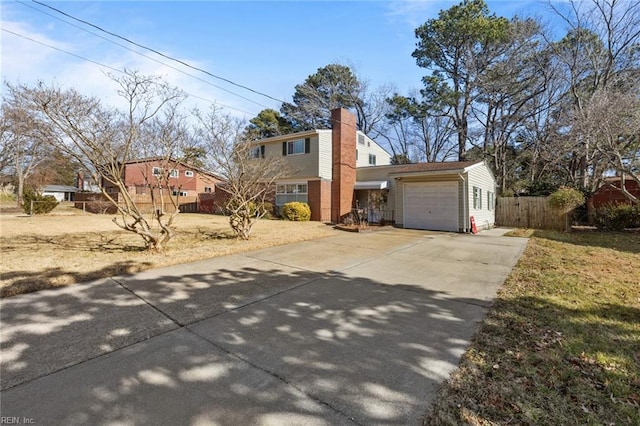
336,170
322,164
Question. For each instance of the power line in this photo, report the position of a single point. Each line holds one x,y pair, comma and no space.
122,72
61,50
143,55
111,68
160,53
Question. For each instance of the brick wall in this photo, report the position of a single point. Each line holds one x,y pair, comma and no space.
343,163
319,199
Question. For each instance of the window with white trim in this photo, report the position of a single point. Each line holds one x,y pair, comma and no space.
173,173
156,171
477,198
290,192
372,159
180,193
295,147
188,173
361,139
490,200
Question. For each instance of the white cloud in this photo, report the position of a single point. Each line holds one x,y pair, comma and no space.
416,12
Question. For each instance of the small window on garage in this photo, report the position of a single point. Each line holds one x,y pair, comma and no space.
477,198
490,200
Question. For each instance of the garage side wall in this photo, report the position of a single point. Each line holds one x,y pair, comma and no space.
484,214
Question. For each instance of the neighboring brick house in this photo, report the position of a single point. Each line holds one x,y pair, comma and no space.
184,180
323,164
610,193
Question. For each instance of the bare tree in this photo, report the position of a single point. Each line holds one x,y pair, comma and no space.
6,139
421,134
249,176
104,139
610,121
508,95
599,55
25,139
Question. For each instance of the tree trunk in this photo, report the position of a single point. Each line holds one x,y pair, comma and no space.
462,141
20,189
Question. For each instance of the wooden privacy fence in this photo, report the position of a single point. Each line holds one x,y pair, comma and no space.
528,212
98,203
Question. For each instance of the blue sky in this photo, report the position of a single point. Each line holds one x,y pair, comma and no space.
269,46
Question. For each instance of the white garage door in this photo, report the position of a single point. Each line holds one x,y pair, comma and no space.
431,205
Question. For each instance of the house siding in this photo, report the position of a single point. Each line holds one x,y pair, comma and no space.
301,165
480,176
324,154
370,147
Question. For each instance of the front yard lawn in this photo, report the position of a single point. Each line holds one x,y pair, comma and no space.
48,251
561,345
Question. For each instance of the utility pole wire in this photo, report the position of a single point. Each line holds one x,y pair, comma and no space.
143,55
112,68
160,53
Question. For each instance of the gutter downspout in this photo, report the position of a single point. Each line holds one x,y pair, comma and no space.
465,226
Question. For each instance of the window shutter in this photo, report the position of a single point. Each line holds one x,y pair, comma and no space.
284,148
261,151
307,145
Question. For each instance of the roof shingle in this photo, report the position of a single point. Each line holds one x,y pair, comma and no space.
435,167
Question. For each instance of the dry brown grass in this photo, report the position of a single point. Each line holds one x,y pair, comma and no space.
70,246
561,345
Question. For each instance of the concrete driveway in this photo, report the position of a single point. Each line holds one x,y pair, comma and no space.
349,329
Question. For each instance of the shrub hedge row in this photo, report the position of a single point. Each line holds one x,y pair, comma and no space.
617,217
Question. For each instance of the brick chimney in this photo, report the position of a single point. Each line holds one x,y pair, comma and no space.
343,124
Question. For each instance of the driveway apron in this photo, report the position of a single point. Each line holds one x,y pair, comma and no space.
349,329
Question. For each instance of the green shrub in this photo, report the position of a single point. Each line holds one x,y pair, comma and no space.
42,204
616,217
296,211
566,199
